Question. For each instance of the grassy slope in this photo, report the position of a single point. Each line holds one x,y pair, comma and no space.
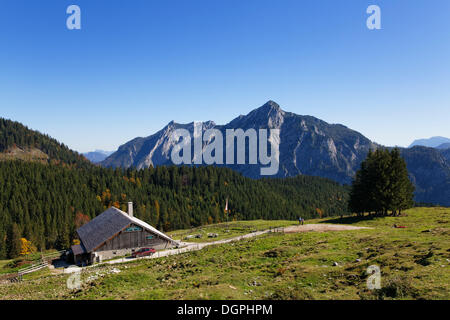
281,266
26,154
228,230
14,265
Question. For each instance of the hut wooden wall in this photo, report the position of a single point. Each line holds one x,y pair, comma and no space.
132,239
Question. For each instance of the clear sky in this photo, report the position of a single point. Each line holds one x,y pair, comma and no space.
136,65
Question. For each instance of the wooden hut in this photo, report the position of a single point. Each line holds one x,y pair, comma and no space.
115,233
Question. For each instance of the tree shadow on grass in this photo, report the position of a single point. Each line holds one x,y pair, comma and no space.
349,219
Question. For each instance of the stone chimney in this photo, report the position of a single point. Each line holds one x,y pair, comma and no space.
130,209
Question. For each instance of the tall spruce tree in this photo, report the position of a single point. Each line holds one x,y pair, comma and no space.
402,187
3,246
14,243
381,184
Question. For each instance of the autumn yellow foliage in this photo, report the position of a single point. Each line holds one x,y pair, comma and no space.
26,247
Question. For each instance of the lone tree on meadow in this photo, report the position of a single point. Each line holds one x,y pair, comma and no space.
382,184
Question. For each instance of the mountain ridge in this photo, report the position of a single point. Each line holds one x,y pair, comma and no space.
309,146
97,155
443,146
433,142
19,142
295,130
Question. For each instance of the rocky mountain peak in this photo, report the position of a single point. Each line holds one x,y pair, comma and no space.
270,107
307,146
270,114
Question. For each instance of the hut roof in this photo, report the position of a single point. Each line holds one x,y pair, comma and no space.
109,223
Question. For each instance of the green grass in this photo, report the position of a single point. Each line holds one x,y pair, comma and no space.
414,264
14,265
228,230
6,266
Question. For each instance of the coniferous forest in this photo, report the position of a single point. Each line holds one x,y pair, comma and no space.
14,134
45,203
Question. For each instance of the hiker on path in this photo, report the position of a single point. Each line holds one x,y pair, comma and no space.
300,220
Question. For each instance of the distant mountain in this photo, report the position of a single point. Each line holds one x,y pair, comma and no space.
443,146
308,145
446,154
97,155
429,170
432,142
18,142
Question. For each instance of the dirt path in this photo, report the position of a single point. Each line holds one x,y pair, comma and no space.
320,228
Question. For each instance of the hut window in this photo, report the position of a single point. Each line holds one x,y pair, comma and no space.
132,229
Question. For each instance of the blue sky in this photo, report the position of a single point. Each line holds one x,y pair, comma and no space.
136,65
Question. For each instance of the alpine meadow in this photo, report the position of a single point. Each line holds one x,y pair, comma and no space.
224,159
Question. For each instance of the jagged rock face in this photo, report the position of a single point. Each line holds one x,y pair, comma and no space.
307,145
150,151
